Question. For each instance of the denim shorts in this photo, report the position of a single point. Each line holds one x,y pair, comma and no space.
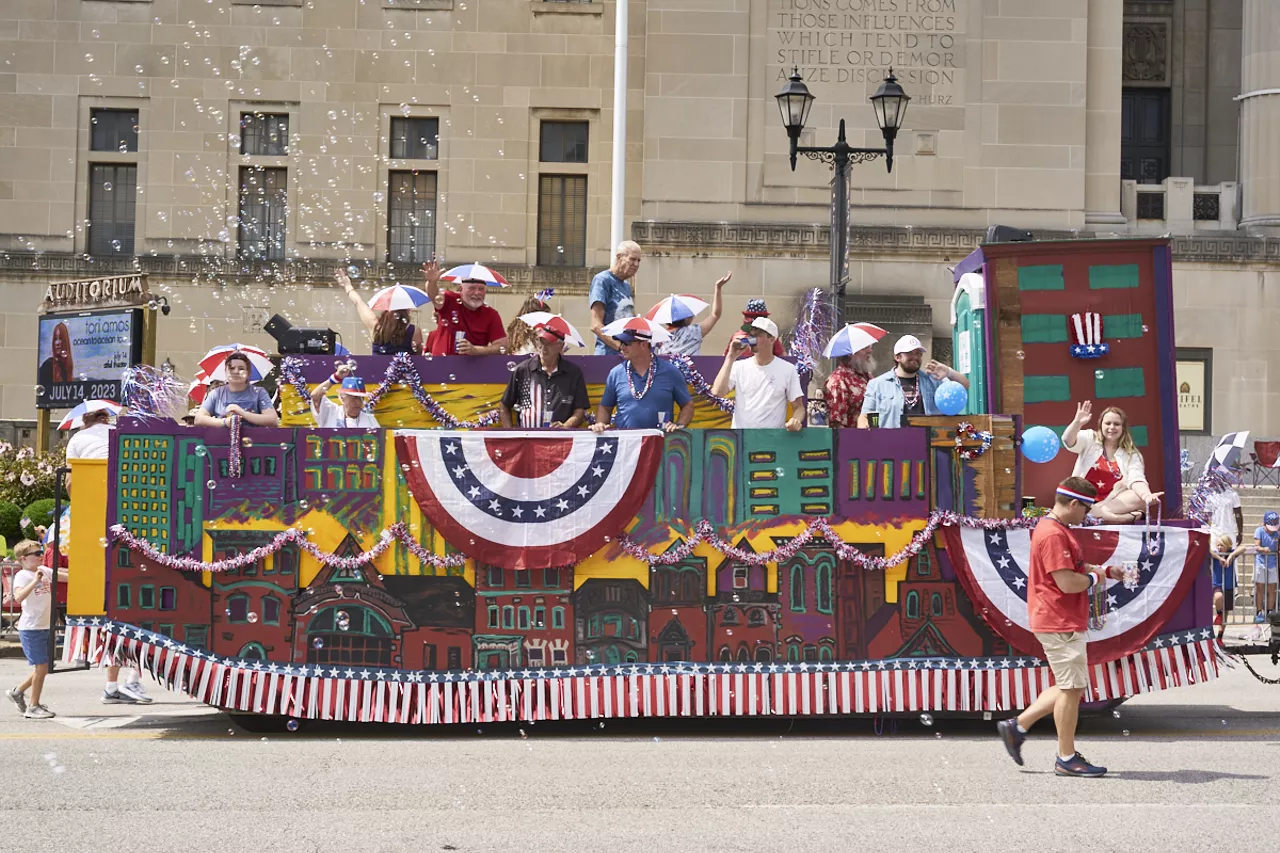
35,645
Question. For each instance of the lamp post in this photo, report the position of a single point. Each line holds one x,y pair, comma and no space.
890,104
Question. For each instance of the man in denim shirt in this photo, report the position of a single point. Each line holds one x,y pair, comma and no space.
906,390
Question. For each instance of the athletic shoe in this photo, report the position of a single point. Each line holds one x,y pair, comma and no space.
38,712
1078,765
135,692
117,697
1012,738
1259,618
16,697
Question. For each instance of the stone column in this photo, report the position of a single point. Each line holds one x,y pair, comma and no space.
1260,115
1104,80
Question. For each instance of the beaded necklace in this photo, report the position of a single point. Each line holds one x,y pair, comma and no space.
648,382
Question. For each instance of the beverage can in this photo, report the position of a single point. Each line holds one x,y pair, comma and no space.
873,419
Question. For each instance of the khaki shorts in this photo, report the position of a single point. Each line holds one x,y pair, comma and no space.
1068,658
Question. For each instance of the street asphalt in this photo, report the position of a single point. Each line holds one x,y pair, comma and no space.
1191,769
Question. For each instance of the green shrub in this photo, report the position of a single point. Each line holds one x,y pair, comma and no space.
10,515
38,513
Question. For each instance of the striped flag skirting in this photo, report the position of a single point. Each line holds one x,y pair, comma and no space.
371,694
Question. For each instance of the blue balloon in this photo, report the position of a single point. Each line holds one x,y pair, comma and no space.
1040,444
951,397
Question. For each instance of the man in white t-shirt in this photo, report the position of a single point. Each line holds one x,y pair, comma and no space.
94,439
351,414
764,383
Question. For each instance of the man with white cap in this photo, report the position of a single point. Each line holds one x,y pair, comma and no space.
906,390
351,414
764,384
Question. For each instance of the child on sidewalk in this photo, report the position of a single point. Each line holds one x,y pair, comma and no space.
1223,572
32,586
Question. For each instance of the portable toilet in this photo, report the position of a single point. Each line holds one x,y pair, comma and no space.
968,337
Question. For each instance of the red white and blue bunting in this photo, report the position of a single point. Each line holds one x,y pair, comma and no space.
370,694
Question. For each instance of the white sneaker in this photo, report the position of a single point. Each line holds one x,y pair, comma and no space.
38,712
135,692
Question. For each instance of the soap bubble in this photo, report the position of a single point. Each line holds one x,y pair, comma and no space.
317,643
246,441
1125,733
1020,354
511,366
212,484
1115,714
292,725
338,590
253,617
1098,374
39,390
201,450
926,719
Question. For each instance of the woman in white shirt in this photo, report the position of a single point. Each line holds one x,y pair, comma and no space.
1108,458
351,414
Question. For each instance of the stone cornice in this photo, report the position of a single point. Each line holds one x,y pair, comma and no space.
62,266
794,240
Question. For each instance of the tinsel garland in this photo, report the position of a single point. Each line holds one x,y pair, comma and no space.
235,456
965,431
149,392
1212,482
814,327
819,527
397,532
697,381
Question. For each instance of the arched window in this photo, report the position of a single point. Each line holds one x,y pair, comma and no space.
743,654
935,604
755,617
797,589
725,654
611,654
764,654
730,616
826,653
913,605
631,657
253,651
271,610
691,589
793,652
823,593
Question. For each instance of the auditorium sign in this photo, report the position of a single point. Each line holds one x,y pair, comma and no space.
104,292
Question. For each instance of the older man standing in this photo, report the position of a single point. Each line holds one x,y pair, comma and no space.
465,325
547,391
906,390
644,389
611,296
764,383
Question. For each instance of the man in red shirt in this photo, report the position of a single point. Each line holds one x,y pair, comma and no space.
1058,584
464,324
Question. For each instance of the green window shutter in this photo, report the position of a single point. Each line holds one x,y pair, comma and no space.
1116,326
1046,389
1047,277
1139,435
1119,382
1044,328
1113,276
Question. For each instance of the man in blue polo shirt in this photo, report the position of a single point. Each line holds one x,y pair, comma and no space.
645,390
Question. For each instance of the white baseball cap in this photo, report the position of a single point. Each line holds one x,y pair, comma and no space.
766,325
907,343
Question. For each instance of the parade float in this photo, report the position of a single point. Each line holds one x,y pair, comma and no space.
439,570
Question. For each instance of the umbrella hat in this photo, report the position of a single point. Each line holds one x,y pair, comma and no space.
400,297
75,418
637,328
214,362
562,327
475,272
853,338
676,308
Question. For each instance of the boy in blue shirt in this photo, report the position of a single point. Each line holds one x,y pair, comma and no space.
1264,566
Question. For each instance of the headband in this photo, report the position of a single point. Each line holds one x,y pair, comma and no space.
1076,496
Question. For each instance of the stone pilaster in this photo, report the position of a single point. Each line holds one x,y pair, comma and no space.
1260,115
1102,113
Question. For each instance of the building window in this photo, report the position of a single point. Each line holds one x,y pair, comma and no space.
730,616
113,130
271,610
523,625
263,213
755,617
935,604
167,630
168,598
495,577
147,597
238,609
741,577
411,216
454,656
264,134
797,589
196,636
551,578
823,591
508,617
415,138
539,617
563,142
123,560
113,195
493,616
559,657
913,605
522,578
557,617
562,221
124,597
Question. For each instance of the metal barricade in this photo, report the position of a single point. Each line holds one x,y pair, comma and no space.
10,609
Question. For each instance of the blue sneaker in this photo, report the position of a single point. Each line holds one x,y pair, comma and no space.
1012,738
1259,618
1078,765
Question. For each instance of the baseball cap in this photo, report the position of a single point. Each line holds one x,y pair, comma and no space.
766,325
549,334
354,386
907,343
1271,520
630,336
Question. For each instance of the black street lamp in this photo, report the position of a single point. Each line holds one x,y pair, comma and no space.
890,104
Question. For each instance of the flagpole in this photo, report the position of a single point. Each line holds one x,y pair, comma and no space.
616,235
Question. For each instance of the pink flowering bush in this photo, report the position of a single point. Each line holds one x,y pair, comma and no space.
26,476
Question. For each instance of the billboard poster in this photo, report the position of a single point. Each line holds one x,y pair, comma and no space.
83,356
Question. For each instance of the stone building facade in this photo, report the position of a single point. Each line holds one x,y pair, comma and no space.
239,152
